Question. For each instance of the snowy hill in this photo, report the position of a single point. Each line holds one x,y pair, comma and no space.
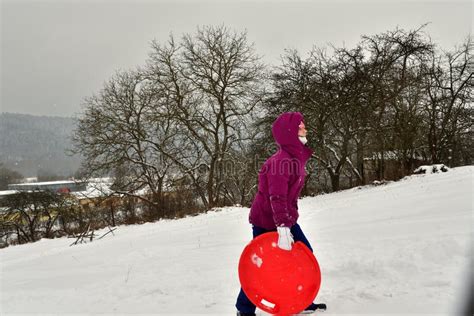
401,248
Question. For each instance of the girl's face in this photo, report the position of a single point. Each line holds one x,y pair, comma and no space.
301,129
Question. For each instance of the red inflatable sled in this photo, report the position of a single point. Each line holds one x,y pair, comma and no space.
279,281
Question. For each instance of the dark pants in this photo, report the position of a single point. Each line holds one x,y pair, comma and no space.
243,303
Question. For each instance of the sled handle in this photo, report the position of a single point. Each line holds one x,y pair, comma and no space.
268,306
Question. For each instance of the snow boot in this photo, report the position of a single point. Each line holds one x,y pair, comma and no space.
314,307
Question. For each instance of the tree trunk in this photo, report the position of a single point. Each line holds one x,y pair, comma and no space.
335,181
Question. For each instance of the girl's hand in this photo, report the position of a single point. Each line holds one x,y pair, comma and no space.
285,238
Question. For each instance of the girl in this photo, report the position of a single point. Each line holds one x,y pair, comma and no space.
280,180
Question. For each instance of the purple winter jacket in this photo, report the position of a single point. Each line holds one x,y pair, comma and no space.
281,177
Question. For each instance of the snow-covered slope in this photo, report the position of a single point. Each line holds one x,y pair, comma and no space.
399,248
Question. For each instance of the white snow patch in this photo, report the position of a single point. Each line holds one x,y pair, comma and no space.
437,168
256,260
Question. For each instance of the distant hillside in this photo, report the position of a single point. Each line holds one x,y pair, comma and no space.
30,143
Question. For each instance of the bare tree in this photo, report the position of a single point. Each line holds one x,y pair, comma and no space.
212,82
359,101
448,106
32,215
320,87
396,76
119,130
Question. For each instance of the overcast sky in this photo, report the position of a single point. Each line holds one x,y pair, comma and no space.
55,53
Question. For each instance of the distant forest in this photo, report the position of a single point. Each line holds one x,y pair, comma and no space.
36,145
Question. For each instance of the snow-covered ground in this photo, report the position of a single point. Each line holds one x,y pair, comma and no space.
400,248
